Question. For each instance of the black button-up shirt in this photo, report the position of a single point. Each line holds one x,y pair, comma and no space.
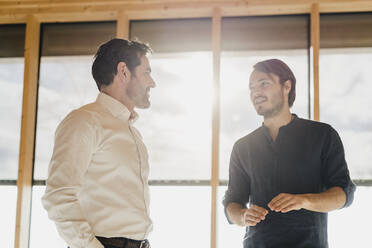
307,157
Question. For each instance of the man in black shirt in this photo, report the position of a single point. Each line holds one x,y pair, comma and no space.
290,170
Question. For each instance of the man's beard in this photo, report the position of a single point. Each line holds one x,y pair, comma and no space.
278,106
138,95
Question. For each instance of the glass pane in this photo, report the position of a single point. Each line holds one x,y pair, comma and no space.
43,232
165,36
228,235
345,103
8,207
177,127
254,33
351,227
238,116
65,84
342,30
12,40
181,216
11,84
75,39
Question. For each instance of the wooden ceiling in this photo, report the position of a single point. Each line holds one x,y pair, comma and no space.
96,10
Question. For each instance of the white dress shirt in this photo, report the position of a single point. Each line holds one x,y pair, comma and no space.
98,176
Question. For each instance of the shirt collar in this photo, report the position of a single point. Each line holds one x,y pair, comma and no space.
294,119
116,108
281,129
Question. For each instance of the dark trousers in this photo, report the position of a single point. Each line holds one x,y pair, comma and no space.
122,243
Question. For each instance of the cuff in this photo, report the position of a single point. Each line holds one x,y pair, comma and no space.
94,243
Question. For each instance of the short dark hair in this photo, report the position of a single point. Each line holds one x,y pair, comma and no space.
111,53
282,70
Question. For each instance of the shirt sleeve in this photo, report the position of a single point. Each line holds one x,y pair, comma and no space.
335,170
75,140
238,189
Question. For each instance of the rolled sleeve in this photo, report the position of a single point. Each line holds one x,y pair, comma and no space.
335,169
238,190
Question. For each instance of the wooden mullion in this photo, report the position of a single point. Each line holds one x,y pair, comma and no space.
315,40
122,26
216,46
26,154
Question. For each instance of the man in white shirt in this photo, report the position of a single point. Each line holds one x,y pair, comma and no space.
97,189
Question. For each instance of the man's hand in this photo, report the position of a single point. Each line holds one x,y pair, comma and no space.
288,202
253,215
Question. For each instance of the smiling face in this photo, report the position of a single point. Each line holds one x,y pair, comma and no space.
140,83
268,96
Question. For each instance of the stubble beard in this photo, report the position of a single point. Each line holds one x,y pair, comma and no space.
271,112
138,95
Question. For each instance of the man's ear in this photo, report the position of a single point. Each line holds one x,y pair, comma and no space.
123,71
287,86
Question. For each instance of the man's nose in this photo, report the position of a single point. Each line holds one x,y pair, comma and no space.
255,92
152,83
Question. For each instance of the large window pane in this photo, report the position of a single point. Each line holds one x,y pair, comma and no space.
65,80
345,66
177,127
65,84
8,194
11,84
345,103
246,41
11,88
181,217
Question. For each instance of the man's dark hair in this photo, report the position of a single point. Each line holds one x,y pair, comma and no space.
111,53
281,69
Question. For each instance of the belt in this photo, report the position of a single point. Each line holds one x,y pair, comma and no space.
124,242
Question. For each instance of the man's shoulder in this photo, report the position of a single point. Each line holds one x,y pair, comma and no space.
314,125
250,137
88,114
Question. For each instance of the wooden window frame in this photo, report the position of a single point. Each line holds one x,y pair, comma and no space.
34,13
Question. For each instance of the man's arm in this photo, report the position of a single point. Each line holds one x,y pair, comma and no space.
72,153
335,176
331,199
245,216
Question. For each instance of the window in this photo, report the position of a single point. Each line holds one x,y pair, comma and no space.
11,83
246,41
65,83
345,65
177,129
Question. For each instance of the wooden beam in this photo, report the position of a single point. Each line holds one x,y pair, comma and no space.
26,155
12,18
216,46
77,17
314,53
166,13
101,10
122,26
